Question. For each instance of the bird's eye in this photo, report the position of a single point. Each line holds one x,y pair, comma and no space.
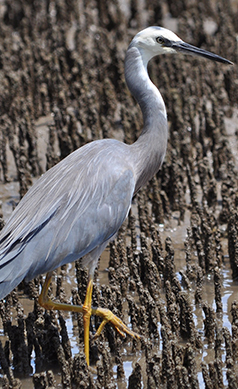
160,40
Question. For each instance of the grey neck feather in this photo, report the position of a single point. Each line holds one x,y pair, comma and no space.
149,150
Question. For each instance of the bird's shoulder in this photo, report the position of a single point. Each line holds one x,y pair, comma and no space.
89,179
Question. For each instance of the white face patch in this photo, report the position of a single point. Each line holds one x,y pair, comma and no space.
149,43
154,32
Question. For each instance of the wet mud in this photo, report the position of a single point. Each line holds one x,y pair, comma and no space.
171,274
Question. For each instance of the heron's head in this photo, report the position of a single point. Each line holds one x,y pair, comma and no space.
154,41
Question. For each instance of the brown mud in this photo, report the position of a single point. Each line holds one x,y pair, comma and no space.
172,271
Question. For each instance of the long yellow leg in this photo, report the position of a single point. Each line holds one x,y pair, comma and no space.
87,310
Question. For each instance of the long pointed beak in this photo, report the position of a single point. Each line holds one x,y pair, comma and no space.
185,48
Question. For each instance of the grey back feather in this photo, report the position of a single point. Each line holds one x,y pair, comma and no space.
81,201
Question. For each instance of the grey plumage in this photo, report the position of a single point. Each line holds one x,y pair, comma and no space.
76,207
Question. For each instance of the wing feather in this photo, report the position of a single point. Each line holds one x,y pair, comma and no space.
71,210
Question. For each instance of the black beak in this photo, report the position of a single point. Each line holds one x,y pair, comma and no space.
185,48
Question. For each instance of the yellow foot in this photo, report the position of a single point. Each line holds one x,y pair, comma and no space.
109,317
106,315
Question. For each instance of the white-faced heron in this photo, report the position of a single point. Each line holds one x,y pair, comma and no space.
77,206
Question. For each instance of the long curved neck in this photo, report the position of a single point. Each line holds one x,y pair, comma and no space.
149,149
